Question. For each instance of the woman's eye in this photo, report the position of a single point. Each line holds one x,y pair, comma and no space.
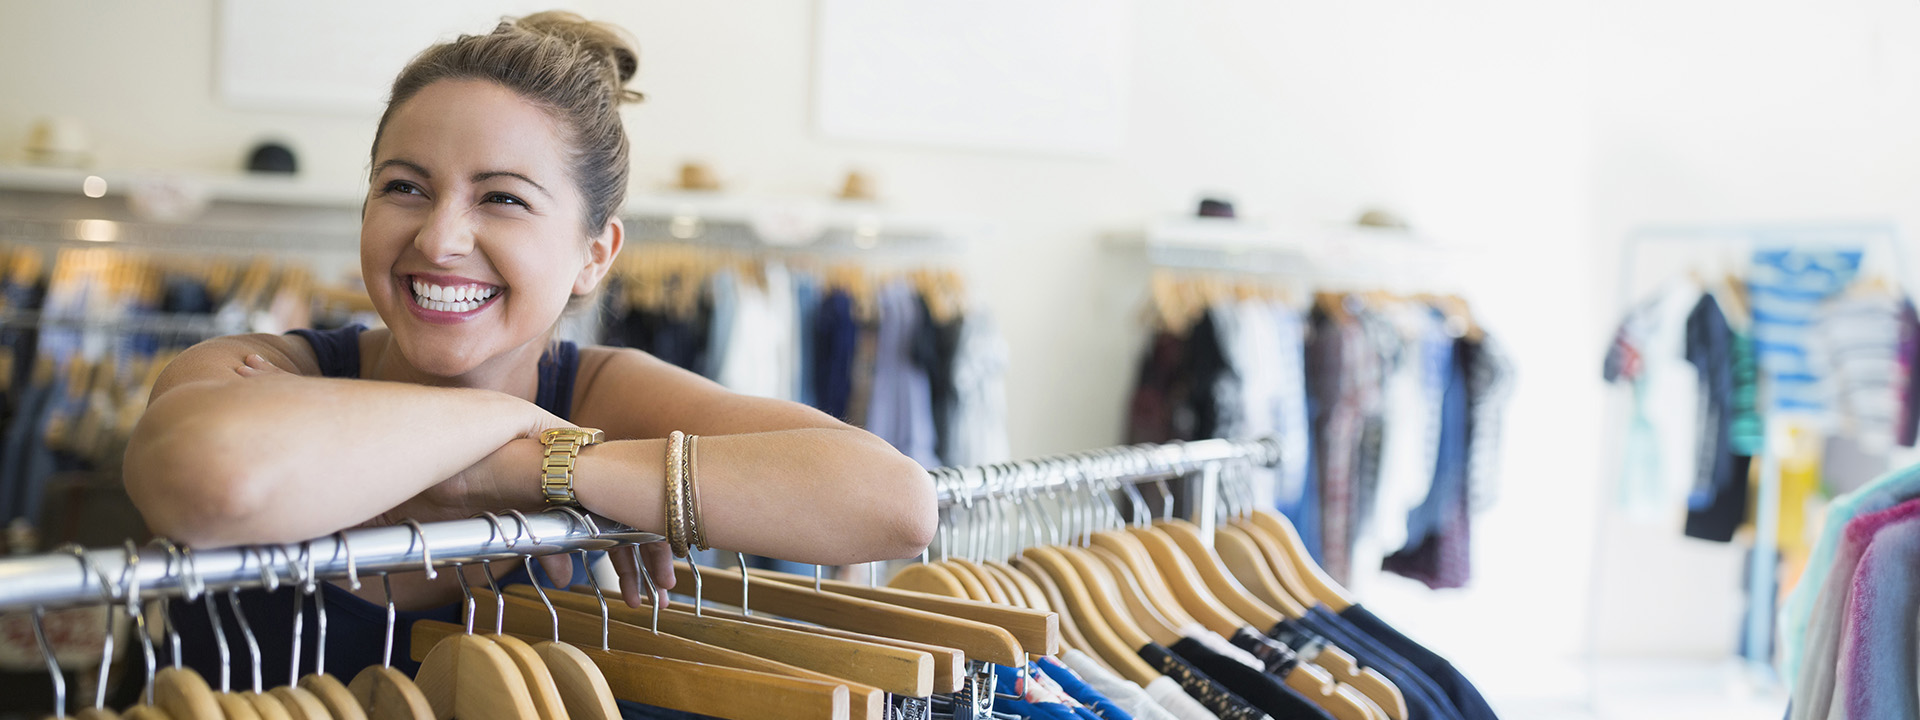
401,186
505,199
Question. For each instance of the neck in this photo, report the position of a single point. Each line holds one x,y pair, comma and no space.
515,372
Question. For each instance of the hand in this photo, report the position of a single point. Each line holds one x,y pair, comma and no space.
659,564
257,366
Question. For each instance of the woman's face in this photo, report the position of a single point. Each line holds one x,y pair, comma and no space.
471,242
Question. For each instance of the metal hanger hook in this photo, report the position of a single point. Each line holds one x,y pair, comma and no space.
213,620
106,592
166,605
53,665
130,589
426,553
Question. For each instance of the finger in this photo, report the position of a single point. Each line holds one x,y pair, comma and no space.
659,559
245,371
559,569
622,559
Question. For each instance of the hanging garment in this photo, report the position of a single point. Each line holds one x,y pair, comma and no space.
759,349
979,414
1649,353
1458,691
1216,698
1424,698
1410,445
1489,387
1877,663
1855,346
722,293
835,335
901,409
1439,530
1822,646
1158,410
1077,688
1137,701
1717,469
1264,691
1909,429
1787,287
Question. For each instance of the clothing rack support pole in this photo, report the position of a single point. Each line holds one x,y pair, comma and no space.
1203,497
1764,563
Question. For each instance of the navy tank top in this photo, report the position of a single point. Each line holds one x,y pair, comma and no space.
356,628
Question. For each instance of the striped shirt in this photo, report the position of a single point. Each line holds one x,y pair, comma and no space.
1787,287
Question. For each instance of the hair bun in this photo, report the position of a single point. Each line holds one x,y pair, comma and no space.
603,40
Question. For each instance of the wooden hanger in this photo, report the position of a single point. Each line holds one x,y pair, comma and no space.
1036,597
1036,632
1128,587
541,687
528,616
892,669
716,690
981,641
928,578
268,706
1184,582
1133,554
1070,633
1318,584
1118,650
145,712
1210,572
1242,557
468,676
1016,593
989,586
949,664
300,704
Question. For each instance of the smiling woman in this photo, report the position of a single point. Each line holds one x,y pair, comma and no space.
496,173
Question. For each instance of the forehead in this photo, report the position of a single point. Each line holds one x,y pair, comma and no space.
462,126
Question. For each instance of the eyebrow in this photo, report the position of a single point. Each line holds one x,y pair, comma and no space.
477,177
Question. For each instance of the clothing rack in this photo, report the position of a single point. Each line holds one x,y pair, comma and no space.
1762,569
1123,465
60,579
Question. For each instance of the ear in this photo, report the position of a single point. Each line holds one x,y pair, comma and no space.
601,251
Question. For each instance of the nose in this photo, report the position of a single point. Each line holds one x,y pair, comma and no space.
446,235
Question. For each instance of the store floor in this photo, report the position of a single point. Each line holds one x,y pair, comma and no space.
1619,689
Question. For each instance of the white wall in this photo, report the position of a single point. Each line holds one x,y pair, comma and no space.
1473,118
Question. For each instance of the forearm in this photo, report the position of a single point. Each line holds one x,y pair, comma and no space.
285,458
816,495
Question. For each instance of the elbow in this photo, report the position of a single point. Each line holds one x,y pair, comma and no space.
186,481
910,514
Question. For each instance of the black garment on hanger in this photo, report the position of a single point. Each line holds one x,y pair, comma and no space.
1216,698
1464,696
1264,691
1423,696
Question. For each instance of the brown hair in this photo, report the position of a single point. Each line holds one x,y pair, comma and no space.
574,68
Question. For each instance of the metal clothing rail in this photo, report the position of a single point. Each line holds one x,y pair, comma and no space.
60,579
1125,464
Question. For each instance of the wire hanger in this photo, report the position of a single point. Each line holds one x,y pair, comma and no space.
300,702
233,705
467,675
335,696
713,681
383,692
99,711
268,707
583,689
540,686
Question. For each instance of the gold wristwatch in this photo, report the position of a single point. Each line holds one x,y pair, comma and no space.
556,469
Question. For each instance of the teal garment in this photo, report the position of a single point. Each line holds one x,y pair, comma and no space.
1883,492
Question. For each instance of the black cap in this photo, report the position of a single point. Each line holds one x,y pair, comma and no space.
272,157
1215,207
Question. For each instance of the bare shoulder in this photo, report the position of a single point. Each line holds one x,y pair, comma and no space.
219,358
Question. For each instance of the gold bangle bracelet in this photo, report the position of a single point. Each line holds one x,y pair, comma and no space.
676,518
699,531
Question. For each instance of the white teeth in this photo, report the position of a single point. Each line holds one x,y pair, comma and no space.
464,298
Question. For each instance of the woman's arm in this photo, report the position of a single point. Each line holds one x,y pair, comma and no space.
221,458
775,478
